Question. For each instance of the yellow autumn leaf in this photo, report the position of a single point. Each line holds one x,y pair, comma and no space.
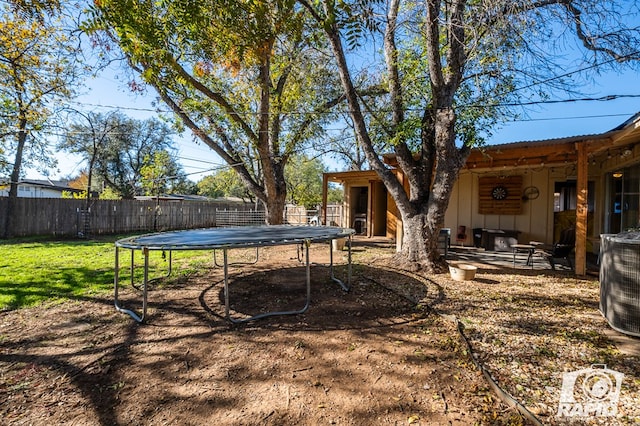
413,419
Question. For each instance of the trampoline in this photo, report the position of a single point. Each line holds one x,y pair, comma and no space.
227,239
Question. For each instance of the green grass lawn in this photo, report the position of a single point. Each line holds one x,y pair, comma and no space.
38,270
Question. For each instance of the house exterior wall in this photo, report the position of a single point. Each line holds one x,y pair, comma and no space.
534,223
32,191
537,221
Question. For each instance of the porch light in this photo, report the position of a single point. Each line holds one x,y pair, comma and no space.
617,175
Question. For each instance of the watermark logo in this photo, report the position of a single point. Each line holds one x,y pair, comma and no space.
590,392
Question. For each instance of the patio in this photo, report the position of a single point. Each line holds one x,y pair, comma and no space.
488,260
485,259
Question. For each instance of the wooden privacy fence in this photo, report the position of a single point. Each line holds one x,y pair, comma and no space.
70,217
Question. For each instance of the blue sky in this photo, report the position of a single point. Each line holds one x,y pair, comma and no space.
578,118
109,92
544,121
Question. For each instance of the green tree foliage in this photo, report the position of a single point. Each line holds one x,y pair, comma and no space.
304,181
452,71
246,77
115,148
89,136
335,194
38,69
74,195
161,174
223,183
109,194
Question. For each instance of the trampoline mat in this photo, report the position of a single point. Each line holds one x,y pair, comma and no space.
242,236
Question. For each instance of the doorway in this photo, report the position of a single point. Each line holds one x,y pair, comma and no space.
359,202
623,200
564,207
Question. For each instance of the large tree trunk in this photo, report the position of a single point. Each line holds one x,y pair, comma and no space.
274,195
15,178
275,188
423,216
420,234
419,243
275,209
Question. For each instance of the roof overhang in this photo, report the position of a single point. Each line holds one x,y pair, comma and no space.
550,151
529,153
554,151
341,177
532,153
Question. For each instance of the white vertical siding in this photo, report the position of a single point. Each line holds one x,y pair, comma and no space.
535,222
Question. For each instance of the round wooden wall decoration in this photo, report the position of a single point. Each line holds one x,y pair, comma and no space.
499,192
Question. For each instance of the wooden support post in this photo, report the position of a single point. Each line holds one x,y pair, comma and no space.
582,208
325,190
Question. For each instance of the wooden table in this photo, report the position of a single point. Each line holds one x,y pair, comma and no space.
526,248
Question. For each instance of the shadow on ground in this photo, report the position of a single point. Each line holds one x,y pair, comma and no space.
84,363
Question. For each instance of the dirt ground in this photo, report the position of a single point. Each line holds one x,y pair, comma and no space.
397,349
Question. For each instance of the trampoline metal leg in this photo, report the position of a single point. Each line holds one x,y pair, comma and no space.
169,270
132,267
345,287
170,263
266,314
299,252
116,279
226,284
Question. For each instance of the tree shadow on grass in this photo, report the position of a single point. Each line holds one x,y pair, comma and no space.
68,283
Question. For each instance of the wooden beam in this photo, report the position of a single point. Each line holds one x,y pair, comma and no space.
581,210
350,175
524,155
598,145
